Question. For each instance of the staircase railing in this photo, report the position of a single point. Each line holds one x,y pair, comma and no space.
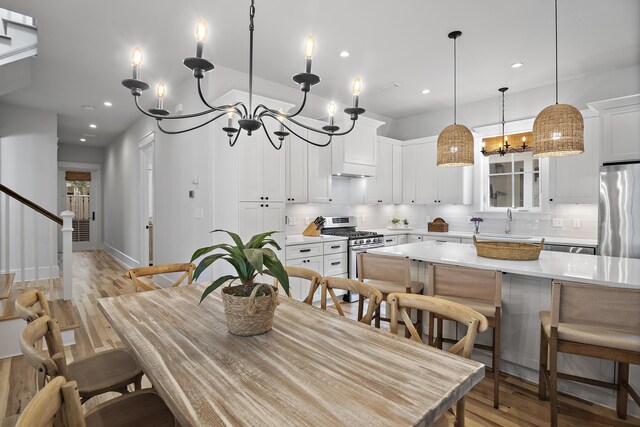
46,232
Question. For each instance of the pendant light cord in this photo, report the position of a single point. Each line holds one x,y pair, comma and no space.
252,12
455,72
503,118
556,16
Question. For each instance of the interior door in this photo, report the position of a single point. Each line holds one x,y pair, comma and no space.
147,199
81,198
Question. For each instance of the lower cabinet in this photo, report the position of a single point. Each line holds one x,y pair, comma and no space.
329,260
402,239
390,240
413,238
441,239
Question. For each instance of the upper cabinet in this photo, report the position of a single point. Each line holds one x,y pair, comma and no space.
396,184
425,183
355,154
620,128
261,170
297,170
379,188
575,179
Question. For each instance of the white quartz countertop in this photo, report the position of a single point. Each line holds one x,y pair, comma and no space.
299,239
570,241
596,269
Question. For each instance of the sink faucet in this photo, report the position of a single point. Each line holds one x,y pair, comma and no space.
507,229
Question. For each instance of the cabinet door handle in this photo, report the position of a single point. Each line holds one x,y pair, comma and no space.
441,241
266,198
262,205
331,200
336,263
261,197
293,200
551,200
389,240
335,247
266,206
305,250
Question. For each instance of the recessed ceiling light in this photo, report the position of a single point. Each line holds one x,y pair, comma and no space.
83,140
344,54
517,64
92,126
425,91
107,104
88,107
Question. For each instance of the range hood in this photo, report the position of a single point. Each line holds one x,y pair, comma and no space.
356,154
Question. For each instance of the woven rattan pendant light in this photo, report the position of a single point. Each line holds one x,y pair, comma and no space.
455,142
559,129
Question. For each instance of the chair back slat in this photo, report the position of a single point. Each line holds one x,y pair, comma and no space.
581,303
47,364
385,268
137,274
372,294
474,321
57,404
464,282
32,304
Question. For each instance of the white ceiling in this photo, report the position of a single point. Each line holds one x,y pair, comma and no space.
84,49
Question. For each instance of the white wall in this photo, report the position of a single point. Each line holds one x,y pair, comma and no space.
522,104
28,165
80,153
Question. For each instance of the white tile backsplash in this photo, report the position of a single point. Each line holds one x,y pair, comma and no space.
379,216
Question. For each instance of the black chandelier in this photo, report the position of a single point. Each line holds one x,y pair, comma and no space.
249,119
504,147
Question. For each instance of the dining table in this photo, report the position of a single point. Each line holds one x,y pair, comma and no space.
312,368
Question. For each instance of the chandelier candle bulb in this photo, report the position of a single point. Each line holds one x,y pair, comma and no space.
309,50
201,36
332,112
281,119
161,91
136,62
230,117
356,88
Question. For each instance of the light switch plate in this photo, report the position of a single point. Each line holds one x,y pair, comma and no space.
199,214
558,222
291,220
576,223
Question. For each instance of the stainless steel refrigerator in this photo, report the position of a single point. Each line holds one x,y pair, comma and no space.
619,210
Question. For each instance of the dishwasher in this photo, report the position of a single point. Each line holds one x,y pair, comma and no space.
589,250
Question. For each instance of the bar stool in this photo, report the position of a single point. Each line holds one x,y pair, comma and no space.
480,290
590,320
388,274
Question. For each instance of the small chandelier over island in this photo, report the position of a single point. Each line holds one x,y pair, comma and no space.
249,119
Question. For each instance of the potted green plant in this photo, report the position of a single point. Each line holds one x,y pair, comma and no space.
406,223
395,222
249,306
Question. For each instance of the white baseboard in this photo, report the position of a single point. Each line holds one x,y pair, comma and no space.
30,273
120,257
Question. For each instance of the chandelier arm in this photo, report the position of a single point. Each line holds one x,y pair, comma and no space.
169,132
272,111
182,116
302,137
353,124
231,144
221,108
266,132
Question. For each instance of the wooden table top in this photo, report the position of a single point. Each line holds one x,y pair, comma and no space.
313,368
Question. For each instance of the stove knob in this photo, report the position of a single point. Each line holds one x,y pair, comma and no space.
368,241
357,242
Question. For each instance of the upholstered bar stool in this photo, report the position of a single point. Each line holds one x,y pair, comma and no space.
480,290
388,274
590,320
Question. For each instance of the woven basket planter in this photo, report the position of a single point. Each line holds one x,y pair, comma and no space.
252,315
513,251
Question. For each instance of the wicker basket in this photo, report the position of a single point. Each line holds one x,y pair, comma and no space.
514,251
438,225
248,316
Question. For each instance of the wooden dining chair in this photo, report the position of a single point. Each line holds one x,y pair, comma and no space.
594,321
474,321
32,304
388,274
478,289
110,370
58,404
372,294
143,276
306,274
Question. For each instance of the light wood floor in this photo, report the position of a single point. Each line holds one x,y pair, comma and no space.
97,275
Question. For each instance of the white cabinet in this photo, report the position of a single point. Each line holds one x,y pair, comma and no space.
620,121
426,188
402,239
409,164
396,173
390,240
261,170
413,238
441,239
378,189
335,264
297,171
299,288
356,152
319,166
576,179
259,217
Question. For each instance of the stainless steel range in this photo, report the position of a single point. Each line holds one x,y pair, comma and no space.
359,241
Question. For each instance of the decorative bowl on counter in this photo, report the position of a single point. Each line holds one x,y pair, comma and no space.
513,251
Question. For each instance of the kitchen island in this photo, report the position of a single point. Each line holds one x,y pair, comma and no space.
526,290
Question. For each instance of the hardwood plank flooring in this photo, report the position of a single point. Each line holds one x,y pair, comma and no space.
97,275
6,280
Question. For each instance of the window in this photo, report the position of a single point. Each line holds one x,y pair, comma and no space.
513,181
